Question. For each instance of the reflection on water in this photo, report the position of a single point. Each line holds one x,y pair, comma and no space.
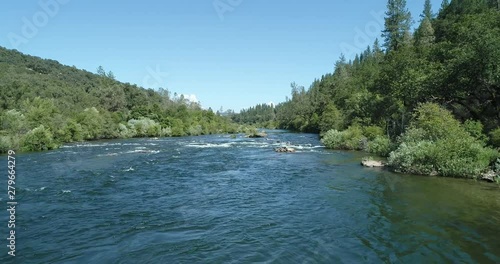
215,199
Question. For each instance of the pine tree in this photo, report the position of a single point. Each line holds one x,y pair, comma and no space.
444,5
397,24
427,11
424,35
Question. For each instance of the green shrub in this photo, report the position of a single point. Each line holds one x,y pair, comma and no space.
70,132
495,137
381,146
125,132
143,127
350,139
333,139
38,139
462,157
166,132
413,158
435,122
496,166
195,130
372,132
5,144
475,129
437,144
354,138
92,123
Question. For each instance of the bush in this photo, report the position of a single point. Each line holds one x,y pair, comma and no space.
166,132
143,127
434,121
72,131
5,144
354,139
195,130
413,158
125,132
475,129
496,166
372,132
350,139
92,123
495,137
381,146
333,139
436,144
38,139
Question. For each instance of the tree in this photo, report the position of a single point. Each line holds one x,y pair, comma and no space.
397,24
424,36
427,11
444,5
101,71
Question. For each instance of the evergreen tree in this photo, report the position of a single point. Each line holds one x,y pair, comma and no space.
397,24
444,5
427,11
424,36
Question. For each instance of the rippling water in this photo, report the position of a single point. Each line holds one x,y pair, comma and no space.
215,199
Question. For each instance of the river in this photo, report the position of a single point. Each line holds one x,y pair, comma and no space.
217,199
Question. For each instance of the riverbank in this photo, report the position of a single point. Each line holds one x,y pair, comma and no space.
434,144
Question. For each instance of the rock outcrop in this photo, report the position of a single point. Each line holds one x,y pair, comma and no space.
258,135
490,176
284,150
370,163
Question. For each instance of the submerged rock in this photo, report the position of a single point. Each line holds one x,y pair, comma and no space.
258,135
370,163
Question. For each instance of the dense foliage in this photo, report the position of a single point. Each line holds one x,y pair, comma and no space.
44,104
450,60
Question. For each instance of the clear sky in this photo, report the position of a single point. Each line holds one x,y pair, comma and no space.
229,53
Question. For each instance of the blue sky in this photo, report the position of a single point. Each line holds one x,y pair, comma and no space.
229,53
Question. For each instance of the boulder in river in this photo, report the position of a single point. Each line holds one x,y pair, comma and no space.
371,163
284,150
258,135
490,176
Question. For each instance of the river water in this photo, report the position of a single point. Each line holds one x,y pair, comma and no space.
217,199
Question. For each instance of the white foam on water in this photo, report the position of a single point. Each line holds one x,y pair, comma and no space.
89,145
43,188
108,154
145,151
209,145
129,169
66,191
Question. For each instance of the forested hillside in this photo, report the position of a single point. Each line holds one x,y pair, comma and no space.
44,104
419,94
